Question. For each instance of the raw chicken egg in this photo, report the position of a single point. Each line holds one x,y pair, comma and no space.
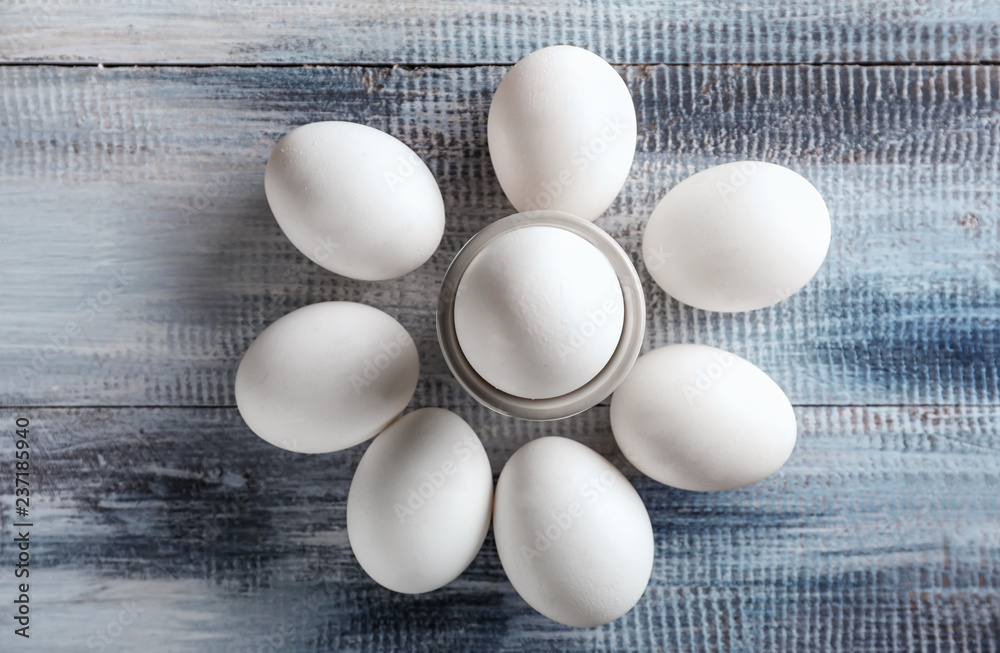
541,315
539,312
700,418
420,502
562,132
326,377
572,533
737,237
354,199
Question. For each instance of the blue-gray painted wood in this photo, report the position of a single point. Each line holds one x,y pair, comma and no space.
879,534
462,32
131,203
157,174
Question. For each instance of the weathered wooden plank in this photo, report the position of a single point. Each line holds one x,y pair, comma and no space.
156,175
452,31
881,533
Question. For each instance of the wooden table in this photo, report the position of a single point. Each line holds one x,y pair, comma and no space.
138,260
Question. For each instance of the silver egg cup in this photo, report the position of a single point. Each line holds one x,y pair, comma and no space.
589,394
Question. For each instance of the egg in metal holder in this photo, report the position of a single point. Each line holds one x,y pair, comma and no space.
589,393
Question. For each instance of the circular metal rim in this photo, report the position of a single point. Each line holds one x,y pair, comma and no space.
586,396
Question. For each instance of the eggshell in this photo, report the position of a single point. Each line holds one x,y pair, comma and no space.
420,503
699,418
562,132
354,199
737,237
326,377
539,312
572,533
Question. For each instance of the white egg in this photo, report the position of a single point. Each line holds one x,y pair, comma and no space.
354,199
562,132
539,312
420,502
699,418
737,237
572,533
326,377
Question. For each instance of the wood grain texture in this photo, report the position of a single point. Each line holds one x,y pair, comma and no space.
879,534
132,204
458,32
139,260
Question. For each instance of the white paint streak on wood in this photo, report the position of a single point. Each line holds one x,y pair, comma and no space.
875,531
155,175
454,31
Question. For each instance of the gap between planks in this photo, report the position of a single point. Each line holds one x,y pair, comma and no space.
233,406
431,65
